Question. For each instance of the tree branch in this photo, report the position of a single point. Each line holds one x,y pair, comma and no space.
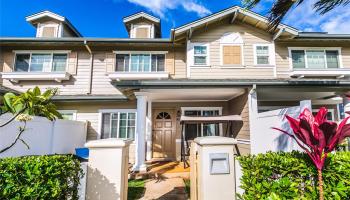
17,138
13,118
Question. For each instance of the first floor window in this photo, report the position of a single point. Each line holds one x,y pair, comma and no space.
68,114
262,55
199,130
140,62
118,125
41,62
200,55
315,59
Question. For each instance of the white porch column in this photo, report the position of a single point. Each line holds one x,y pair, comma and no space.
140,136
253,120
346,103
149,131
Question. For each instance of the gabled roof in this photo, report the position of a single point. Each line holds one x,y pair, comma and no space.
32,19
234,12
141,15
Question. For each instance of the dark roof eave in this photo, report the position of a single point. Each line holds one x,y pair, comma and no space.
65,98
325,36
88,40
186,83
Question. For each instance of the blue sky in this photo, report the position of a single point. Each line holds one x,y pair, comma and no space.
103,18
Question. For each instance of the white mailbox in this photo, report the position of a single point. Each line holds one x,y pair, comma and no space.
215,166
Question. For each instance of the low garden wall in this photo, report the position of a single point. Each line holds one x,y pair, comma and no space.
42,136
292,175
40,177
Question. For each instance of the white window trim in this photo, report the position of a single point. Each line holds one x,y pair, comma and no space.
74,112
40,27
39,52
340,60
134,27
272,59
101,111
222,54
329,110
150,53
190,54
183,109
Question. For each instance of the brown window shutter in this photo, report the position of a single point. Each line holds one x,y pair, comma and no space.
110,62
48,32
142,32
72,63
232,55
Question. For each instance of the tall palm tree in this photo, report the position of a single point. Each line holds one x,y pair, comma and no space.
281,7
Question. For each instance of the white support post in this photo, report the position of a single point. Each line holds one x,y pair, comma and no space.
346,103
149,131
253,119
140,136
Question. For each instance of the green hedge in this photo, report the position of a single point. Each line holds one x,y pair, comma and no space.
40,177
292,176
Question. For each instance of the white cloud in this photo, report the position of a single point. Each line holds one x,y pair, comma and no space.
160,7
305,18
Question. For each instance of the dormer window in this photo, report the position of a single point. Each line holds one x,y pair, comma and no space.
142,32
48,30
52,25
142,25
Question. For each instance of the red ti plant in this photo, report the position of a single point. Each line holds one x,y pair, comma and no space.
317,137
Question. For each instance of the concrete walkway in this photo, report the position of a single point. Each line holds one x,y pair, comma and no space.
165,188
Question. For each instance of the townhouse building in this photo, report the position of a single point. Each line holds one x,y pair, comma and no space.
139,87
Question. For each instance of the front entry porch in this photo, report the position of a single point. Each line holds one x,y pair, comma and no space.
160,140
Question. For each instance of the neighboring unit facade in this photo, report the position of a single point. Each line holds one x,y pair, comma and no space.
139,87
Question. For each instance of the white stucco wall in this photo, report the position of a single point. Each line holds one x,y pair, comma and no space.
42,136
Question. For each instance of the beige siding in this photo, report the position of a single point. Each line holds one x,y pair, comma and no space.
79,66
239,106
180,63
224,73
101,84
250,36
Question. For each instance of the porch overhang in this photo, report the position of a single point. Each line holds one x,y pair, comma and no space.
329,86
214,83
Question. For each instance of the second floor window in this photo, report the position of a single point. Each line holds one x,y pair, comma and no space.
315,59
262,55
41,62
200,55
140,62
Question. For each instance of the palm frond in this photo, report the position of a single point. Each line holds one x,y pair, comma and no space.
279,10
324,6
249,4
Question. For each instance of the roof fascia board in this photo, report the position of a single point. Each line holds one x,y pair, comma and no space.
141,14
45,14
209,18
228,83
54,16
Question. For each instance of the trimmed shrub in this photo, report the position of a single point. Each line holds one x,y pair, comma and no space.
292,175
40,177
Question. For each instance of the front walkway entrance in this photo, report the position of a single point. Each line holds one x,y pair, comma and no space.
163,134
